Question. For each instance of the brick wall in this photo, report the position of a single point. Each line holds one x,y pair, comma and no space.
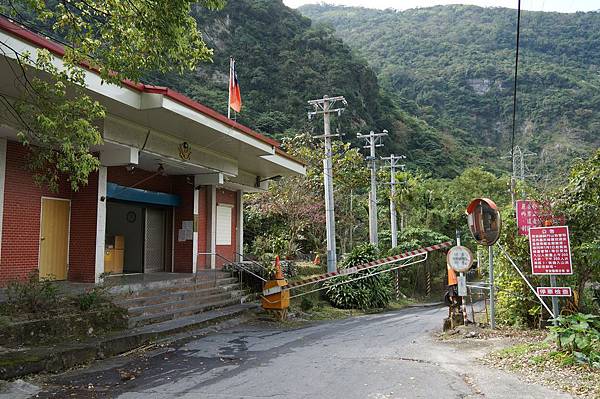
21,223
183,250
82,248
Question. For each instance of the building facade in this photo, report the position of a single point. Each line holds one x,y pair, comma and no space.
167,197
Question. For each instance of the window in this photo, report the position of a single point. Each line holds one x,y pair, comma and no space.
224,224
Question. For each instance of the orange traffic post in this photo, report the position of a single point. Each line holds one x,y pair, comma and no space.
279,300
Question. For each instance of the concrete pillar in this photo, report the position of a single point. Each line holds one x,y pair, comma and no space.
211,225
100,222
239,236
195,235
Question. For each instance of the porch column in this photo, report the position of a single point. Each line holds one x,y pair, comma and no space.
195,235
100,223
239,236
2,179
211,225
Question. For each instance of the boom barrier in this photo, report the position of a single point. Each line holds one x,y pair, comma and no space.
358,268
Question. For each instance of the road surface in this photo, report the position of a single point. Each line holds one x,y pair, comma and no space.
387,355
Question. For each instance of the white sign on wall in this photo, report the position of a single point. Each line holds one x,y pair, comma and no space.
224,212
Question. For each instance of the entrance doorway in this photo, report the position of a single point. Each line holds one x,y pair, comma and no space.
154,240
54,238
146,234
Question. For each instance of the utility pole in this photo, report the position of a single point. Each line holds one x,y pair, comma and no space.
393,163
326,106
373,140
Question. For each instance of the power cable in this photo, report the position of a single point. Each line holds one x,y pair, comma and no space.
514,116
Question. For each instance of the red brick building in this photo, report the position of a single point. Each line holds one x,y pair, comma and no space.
169,191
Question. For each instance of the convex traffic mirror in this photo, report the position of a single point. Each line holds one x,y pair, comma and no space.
484,221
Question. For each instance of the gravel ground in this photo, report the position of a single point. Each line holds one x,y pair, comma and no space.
527,354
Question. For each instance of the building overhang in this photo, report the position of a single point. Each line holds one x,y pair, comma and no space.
156,122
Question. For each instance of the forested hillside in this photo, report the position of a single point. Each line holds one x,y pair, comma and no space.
453,66
438,79
283,60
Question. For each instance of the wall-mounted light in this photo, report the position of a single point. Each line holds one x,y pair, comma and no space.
130,168
259,180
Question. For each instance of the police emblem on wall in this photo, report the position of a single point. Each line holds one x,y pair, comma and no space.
185,151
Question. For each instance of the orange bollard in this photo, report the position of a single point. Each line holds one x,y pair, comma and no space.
278,272
278,301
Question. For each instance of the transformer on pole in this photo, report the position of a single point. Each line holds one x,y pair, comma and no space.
326,106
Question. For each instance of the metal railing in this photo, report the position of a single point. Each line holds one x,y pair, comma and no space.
245,259
236,265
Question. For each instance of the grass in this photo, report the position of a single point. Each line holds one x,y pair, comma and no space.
521,349
322,310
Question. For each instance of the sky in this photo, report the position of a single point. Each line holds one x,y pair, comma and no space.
533,5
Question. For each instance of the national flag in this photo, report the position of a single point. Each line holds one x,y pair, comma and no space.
235,98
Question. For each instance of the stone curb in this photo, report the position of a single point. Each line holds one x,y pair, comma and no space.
60,358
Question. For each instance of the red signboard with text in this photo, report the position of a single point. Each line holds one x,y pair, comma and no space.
527,216
550,250
554,291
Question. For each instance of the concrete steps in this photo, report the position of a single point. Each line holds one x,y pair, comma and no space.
176,294
159,301
178,312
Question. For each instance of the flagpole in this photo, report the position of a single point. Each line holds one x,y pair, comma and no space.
229,90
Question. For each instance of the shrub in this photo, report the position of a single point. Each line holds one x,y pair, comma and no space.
306,304
579,335
516,305
289,268
413,280
367,293
90,299
33,295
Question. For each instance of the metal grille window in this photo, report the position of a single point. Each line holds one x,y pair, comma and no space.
154,240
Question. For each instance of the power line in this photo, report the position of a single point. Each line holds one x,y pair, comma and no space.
514,116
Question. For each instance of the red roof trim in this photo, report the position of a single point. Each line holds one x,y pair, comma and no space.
57,49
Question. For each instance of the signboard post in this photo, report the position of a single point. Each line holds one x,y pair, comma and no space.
460,260
550,251
485,225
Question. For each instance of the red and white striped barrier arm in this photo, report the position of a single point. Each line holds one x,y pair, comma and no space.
354,269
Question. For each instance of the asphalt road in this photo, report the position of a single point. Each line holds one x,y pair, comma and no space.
389,355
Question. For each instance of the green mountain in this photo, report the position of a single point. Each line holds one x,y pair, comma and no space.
453,66
283,61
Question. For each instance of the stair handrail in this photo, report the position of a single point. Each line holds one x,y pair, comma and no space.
237,265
